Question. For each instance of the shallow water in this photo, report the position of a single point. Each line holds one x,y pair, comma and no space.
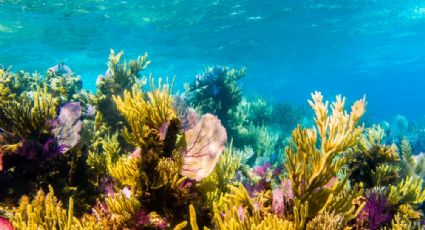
232,151
290,48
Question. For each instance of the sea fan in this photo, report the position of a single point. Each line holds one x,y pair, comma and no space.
67,126
205,143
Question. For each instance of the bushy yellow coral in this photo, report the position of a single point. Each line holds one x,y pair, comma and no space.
126,171
400,222
407,191
28,116
46,212
123,208
25,117
168,173
100,159
236,210
347,203
326,221
145,113
316,155
371,161
125,74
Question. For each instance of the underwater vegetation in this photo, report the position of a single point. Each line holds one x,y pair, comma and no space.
136,155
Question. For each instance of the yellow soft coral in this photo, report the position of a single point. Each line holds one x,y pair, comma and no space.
224,173
28,116
123,208
407,191
236,210
46,212
168,173
145,113
326,220
126,171
24,118
315,157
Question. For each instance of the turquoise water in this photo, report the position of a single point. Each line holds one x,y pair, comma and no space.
290,48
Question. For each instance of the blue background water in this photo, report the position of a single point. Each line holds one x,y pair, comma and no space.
291,48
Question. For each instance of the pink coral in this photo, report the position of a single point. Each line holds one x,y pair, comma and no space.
142,218
241,213
5,224
205,143
137,153
278,203
286,187
162,131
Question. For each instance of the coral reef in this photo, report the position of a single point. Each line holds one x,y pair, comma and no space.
135,156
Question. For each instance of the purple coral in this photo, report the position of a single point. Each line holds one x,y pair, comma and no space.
44,148
205,143
67,126
153,220
107,186
261,170
377,211
260,178
142,218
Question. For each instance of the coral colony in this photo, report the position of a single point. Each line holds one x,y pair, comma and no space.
135,155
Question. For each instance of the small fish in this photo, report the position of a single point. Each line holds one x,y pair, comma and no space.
255,18
60,69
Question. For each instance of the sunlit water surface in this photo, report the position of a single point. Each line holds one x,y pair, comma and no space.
290,48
